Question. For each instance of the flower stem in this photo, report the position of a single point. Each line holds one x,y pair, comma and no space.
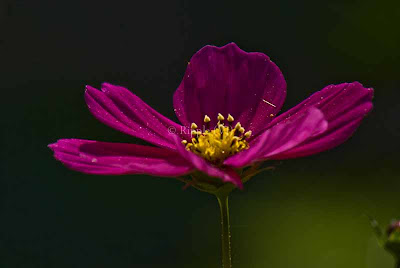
226,233
397,264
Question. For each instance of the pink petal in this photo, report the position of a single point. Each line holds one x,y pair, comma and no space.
104,158
225,174
228,80
117,107
281,137
344,106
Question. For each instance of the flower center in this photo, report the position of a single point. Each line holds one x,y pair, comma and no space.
215,145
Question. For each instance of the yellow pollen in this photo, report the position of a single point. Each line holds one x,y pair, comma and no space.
230,118
184,142
220,117
193,126
238,126
215,145
207,119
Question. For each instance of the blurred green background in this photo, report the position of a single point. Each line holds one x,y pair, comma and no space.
307,213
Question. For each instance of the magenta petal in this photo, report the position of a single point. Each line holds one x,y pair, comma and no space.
226,175
228,80
344,106
281,138
117,107
104,158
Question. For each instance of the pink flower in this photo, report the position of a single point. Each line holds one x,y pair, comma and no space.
227,104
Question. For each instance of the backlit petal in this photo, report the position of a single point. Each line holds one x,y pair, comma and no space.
227,80
344,106
281,138
119,108
104,158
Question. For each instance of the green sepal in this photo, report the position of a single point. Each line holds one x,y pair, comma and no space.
392,244
216,186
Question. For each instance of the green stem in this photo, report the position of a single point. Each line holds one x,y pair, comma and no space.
397,264
225,234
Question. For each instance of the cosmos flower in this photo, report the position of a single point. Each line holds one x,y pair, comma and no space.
227,105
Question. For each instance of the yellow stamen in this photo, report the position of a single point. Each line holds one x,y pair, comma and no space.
207,119
220,117
215,145
184,142
193,126
230,118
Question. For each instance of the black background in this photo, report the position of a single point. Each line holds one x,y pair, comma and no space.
306,213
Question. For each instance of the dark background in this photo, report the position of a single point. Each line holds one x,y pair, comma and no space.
308,212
